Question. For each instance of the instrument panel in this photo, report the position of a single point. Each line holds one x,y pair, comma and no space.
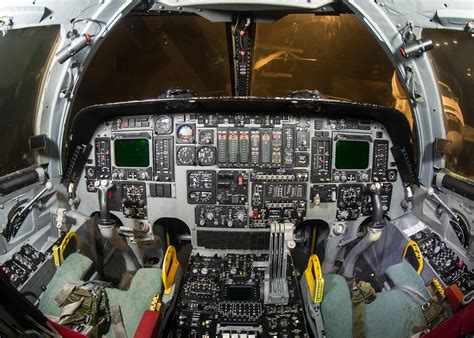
236,171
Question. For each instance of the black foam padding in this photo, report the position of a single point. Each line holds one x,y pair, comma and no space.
17,181
458,186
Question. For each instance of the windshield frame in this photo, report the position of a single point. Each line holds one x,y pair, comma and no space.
384,23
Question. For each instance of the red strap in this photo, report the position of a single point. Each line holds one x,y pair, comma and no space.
149,326
65,331
459,325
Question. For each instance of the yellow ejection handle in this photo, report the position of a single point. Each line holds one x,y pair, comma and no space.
314,277
170,267
58,251
416,250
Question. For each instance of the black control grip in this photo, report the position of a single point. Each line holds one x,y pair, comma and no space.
17,181
378,220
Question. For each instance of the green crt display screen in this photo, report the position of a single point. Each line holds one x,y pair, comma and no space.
352,154
132,153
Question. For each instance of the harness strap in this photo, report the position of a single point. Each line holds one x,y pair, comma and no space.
117,322
414,294
64,293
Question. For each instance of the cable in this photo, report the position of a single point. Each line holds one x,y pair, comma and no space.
100,25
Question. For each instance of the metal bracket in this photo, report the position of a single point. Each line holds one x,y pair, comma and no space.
443,146
5,24
67,90
412,85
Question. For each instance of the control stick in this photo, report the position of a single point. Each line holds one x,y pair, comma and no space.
374,231
107,225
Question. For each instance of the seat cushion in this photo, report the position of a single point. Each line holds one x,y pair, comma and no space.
133,302
74,268
404,274
394,309
336,307
393,314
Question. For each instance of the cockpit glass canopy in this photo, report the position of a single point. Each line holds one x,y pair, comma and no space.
453,61
147,54
336,55
23,63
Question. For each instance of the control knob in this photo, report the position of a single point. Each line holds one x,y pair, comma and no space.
240,216
143,175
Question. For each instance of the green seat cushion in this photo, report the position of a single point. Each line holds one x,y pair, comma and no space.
73,269
393,314
134,301
404,274
336,307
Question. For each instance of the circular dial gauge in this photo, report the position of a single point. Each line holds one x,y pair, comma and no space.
349,196
163,125
206,137
133,194
186,155
206,156
185,134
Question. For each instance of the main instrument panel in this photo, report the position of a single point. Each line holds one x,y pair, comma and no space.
219,172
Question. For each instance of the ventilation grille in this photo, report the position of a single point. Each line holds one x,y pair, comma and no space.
233,240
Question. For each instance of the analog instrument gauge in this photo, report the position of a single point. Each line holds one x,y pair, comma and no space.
206,136
185,133
206,156
186,156
349,196
163,125
133,194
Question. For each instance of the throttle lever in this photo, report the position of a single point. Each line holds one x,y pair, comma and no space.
431,193
18,216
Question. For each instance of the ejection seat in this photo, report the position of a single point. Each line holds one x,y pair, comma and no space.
393,313
133,302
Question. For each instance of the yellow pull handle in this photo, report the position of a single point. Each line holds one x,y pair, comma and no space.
58,251
64,244
170,267
314,277
417,252
57,260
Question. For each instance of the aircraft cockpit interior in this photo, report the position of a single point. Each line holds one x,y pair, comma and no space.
237,169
